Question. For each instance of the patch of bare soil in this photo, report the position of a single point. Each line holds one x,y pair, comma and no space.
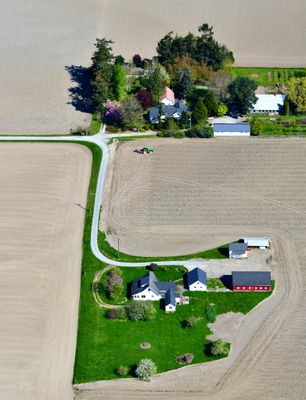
226,326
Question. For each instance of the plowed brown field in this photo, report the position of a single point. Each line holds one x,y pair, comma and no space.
40,264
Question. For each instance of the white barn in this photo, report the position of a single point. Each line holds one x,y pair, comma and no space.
268,103
257,242
238,250
197,280
232,129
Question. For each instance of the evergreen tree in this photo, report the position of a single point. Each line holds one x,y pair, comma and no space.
211,103
199,113
119,82
182,85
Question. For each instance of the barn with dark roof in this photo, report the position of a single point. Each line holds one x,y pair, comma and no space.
251,281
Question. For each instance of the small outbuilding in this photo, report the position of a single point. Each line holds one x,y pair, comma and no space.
197,280
232,130
238,250
261,242
171,300
251,281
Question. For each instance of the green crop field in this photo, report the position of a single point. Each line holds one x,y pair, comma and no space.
268,76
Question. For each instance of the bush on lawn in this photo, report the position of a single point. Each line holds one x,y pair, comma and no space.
140,311
190,322
145,369
219,348
185,358
116,313
122,371
181,269
211,313
114,284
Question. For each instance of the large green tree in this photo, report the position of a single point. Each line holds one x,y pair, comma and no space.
132,113
203,48
102,68
211,103
119,82
155,79
242,95
297,93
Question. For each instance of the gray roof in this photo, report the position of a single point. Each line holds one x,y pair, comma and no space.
241,127
196,275
148,280
168,111
238,247
170,297
251,278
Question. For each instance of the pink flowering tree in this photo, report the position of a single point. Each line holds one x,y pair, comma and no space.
113,113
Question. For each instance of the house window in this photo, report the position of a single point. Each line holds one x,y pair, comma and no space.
256,287
243,287
260,287
238,287
250,287
143,296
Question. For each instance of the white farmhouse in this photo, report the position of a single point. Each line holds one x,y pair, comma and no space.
232,129
238,250
268,103
197,280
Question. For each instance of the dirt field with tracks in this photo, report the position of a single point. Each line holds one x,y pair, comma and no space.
191,194
40,262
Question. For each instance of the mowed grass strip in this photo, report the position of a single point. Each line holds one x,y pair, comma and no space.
217,253
268,76
104,345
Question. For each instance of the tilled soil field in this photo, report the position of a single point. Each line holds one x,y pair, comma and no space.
192,194
40,263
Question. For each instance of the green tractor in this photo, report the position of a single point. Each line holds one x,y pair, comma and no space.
146,150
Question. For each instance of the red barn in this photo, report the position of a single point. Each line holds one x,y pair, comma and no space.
251,281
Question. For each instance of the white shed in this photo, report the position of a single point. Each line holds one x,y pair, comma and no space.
268,103
232,130
261,242
238,250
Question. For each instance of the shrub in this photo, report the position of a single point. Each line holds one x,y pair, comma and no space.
179,135
185,358
122,371
116,313
201,131
199,113
145,369
113,285
140,311
190,322
181,269
171,128
211,313
220,348
153,267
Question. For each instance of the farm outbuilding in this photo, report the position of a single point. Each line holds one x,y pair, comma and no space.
268,103
251,281
232,130
257,242
238,250
197,280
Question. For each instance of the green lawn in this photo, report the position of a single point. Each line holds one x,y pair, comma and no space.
95,124
110,252
268,76
104,345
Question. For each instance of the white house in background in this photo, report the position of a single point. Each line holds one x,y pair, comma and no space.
232,129
257,242
238,250
268,103
197,280
167,98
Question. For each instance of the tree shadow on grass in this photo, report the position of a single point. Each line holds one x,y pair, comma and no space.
81,92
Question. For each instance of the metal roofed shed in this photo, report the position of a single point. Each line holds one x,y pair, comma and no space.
268,103
251,280
232,129
261,242
238,250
